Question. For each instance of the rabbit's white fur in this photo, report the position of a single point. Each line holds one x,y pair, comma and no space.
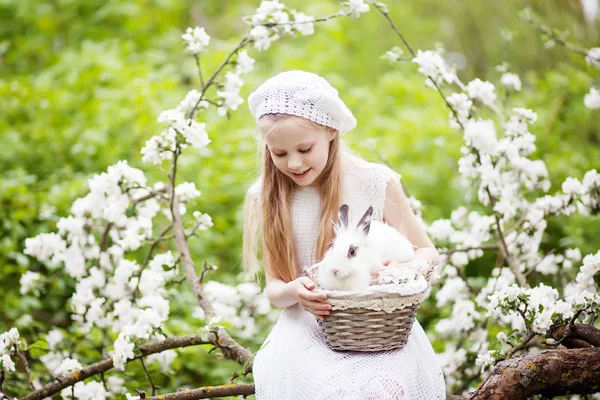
357,249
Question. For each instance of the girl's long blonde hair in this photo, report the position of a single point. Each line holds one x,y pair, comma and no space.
267,211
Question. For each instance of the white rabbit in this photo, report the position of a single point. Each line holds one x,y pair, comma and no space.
356,250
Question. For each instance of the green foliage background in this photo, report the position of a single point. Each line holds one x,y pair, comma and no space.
82,82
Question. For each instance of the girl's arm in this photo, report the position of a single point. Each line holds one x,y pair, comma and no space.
285,294
281,294
397,213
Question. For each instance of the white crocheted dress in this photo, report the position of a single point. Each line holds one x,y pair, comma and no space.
295,363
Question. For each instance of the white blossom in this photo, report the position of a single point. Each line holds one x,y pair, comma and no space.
262,37
46,247
571,186
355,7
590,12
245,63
269,7
193,132
67,366
542,321
481,134
231,93
585,277
211,325
187,191
485,360
563,309
159,306
71,227
154,150
29,282
204,220
192,98
53,338
237,305
8,339
592,99
164,359
505,297
410,278
441,229
571,256
589,186
93,390
459,259
462,319
116,384
452,359
52,360
548,265
167,259
462,105
394,54
123,351
483,91
303,24
197,39
526,114
511,81
47,211
453,290
431,64
7,363
593,57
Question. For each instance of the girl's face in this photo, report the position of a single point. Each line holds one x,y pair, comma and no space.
298,148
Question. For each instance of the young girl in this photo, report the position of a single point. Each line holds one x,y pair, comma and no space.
306,175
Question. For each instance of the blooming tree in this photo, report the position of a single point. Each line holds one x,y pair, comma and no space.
543,306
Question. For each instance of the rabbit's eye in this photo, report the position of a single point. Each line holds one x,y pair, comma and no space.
352,251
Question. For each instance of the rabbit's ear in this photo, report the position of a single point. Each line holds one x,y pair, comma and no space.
343,216
365,221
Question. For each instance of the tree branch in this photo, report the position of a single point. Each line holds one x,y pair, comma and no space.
104,241
231,349
449,252
211,80
527,16
504,248
549,373
512,351
587,333
209,392
149,256
107,363
154,387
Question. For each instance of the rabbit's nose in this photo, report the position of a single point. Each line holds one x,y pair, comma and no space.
335,271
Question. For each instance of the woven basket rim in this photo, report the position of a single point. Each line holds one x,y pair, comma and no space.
366,294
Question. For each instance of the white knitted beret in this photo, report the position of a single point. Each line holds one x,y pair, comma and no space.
303,94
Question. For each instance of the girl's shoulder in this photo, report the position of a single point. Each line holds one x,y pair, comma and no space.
367,184
358,168
254,191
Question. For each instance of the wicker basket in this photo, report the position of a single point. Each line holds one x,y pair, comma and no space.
369,321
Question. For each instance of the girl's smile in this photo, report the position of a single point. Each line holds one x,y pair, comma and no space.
299,148
302,175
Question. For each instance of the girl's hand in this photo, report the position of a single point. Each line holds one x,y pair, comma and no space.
385,262
314,303
395,264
